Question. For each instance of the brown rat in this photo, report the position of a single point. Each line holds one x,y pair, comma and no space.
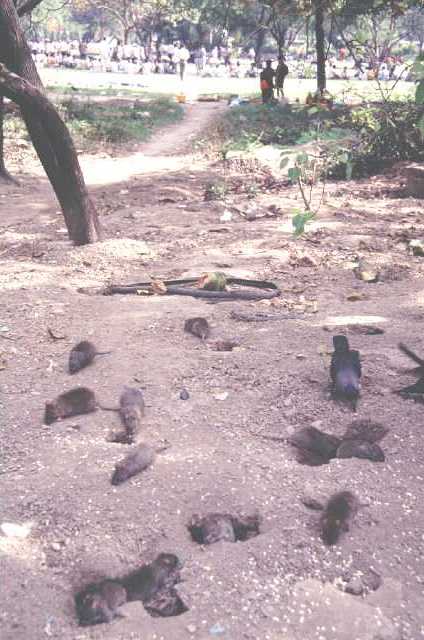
337,515
98,603
135,462
198,327
71,403
82,355
144,583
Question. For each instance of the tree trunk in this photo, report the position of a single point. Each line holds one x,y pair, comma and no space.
260,37
308,20
54,129
58,158
320,47
4,174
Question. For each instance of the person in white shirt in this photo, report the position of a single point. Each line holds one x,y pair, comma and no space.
181,56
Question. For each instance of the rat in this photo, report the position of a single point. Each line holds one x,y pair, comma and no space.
314,447
82,355
214,527
135,462
144,583
360,441
71,403
98,603
131,411
337,516
345,371
361,449
165,603
197,327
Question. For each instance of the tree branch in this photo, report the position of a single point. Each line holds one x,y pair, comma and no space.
27,7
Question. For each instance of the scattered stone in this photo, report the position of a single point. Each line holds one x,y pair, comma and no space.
366,271
312,502
323,606
355,296
224,345
217,629
365,329
184,394
355,586
417,248
12,530
388,598
56,546
133,609
191,628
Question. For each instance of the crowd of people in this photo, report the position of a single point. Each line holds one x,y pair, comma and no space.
110,55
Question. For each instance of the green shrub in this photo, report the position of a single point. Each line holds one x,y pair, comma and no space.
385,134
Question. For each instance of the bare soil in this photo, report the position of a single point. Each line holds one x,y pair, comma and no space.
55,480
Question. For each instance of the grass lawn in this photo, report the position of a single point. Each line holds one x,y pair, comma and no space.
114,84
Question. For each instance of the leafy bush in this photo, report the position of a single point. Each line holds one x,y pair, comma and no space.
385,134
115,123
277,124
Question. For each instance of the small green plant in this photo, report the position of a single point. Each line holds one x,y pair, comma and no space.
309,172
215,190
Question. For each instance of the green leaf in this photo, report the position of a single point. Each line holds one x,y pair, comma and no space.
294,173
418,67
313,110
299,221
302,158
284,162
419,93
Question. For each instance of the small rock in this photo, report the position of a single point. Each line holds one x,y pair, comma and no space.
417,248
12,530
355,586
366,272
355,296
365,329
224,345
184,394
300,356
133,609
311,502
221,396
217,629
191,628
56,546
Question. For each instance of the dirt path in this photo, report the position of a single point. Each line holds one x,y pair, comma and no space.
56,479
169,150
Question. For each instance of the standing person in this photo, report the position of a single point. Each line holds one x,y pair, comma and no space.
181,56
280,75
267,82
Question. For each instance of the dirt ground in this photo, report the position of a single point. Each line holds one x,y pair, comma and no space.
55,480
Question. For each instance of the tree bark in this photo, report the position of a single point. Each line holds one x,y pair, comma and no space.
59,159
27,7
4,174
80,227
320,47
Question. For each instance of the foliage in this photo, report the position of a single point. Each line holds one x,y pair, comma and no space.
386,133
418,70
216,190
115,123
